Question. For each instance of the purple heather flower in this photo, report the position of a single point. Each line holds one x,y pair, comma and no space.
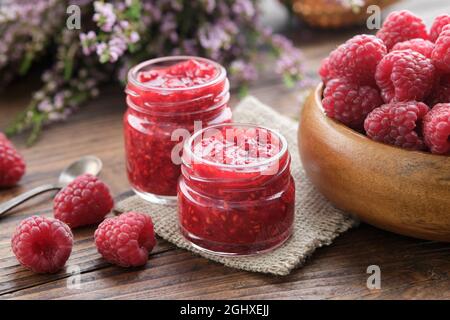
218,36
189,47
168,27
134,37
117,47
229,32
104,16
244,7
124,24
88,42
39,95
58,101
243,71
153,11
176,5
56,116
101,49
224,8
210,5
45,106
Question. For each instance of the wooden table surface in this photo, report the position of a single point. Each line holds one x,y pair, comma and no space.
410,268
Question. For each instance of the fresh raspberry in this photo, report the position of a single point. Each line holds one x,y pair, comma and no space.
440,92
12,165
422,46
405,76
324,71
126,240
349,103
397,123
85,201
400,26
357,59
439,23
441,52
436,129
41,244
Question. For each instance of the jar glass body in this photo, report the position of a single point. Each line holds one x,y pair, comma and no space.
236,210
158,120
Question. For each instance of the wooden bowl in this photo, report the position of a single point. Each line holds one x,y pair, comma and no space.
332,14
406,192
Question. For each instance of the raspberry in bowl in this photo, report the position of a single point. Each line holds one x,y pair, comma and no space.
236,193
374,138
394,185
166,98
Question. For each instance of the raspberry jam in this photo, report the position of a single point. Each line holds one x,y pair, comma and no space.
165,97
236,193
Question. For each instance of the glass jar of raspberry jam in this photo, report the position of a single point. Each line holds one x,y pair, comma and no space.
166,97
236,193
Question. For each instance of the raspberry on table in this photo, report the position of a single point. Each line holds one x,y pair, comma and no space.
441,51
422,46
126,240
397,123
356,60
12,165
350,103
41,244
85,201
441,91
405,76
436,129
439,23
401,26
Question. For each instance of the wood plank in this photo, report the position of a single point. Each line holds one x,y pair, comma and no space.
14,277
336,272
410,268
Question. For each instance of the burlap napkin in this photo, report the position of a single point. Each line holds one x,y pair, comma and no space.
317,222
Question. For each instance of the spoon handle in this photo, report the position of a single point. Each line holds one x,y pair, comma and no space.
14,202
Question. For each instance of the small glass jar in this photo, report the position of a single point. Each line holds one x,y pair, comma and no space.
166,97
236,193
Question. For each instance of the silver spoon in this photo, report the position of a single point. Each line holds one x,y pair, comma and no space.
88,164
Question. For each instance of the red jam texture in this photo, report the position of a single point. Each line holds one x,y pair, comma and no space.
161,100
236,146
181,75
237,195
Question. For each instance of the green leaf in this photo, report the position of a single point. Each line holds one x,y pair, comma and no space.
288,80
36,130
104,58
26,63
69,61
132,47
134,11
243,91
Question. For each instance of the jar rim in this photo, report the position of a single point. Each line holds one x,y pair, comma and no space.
133,73
188,147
